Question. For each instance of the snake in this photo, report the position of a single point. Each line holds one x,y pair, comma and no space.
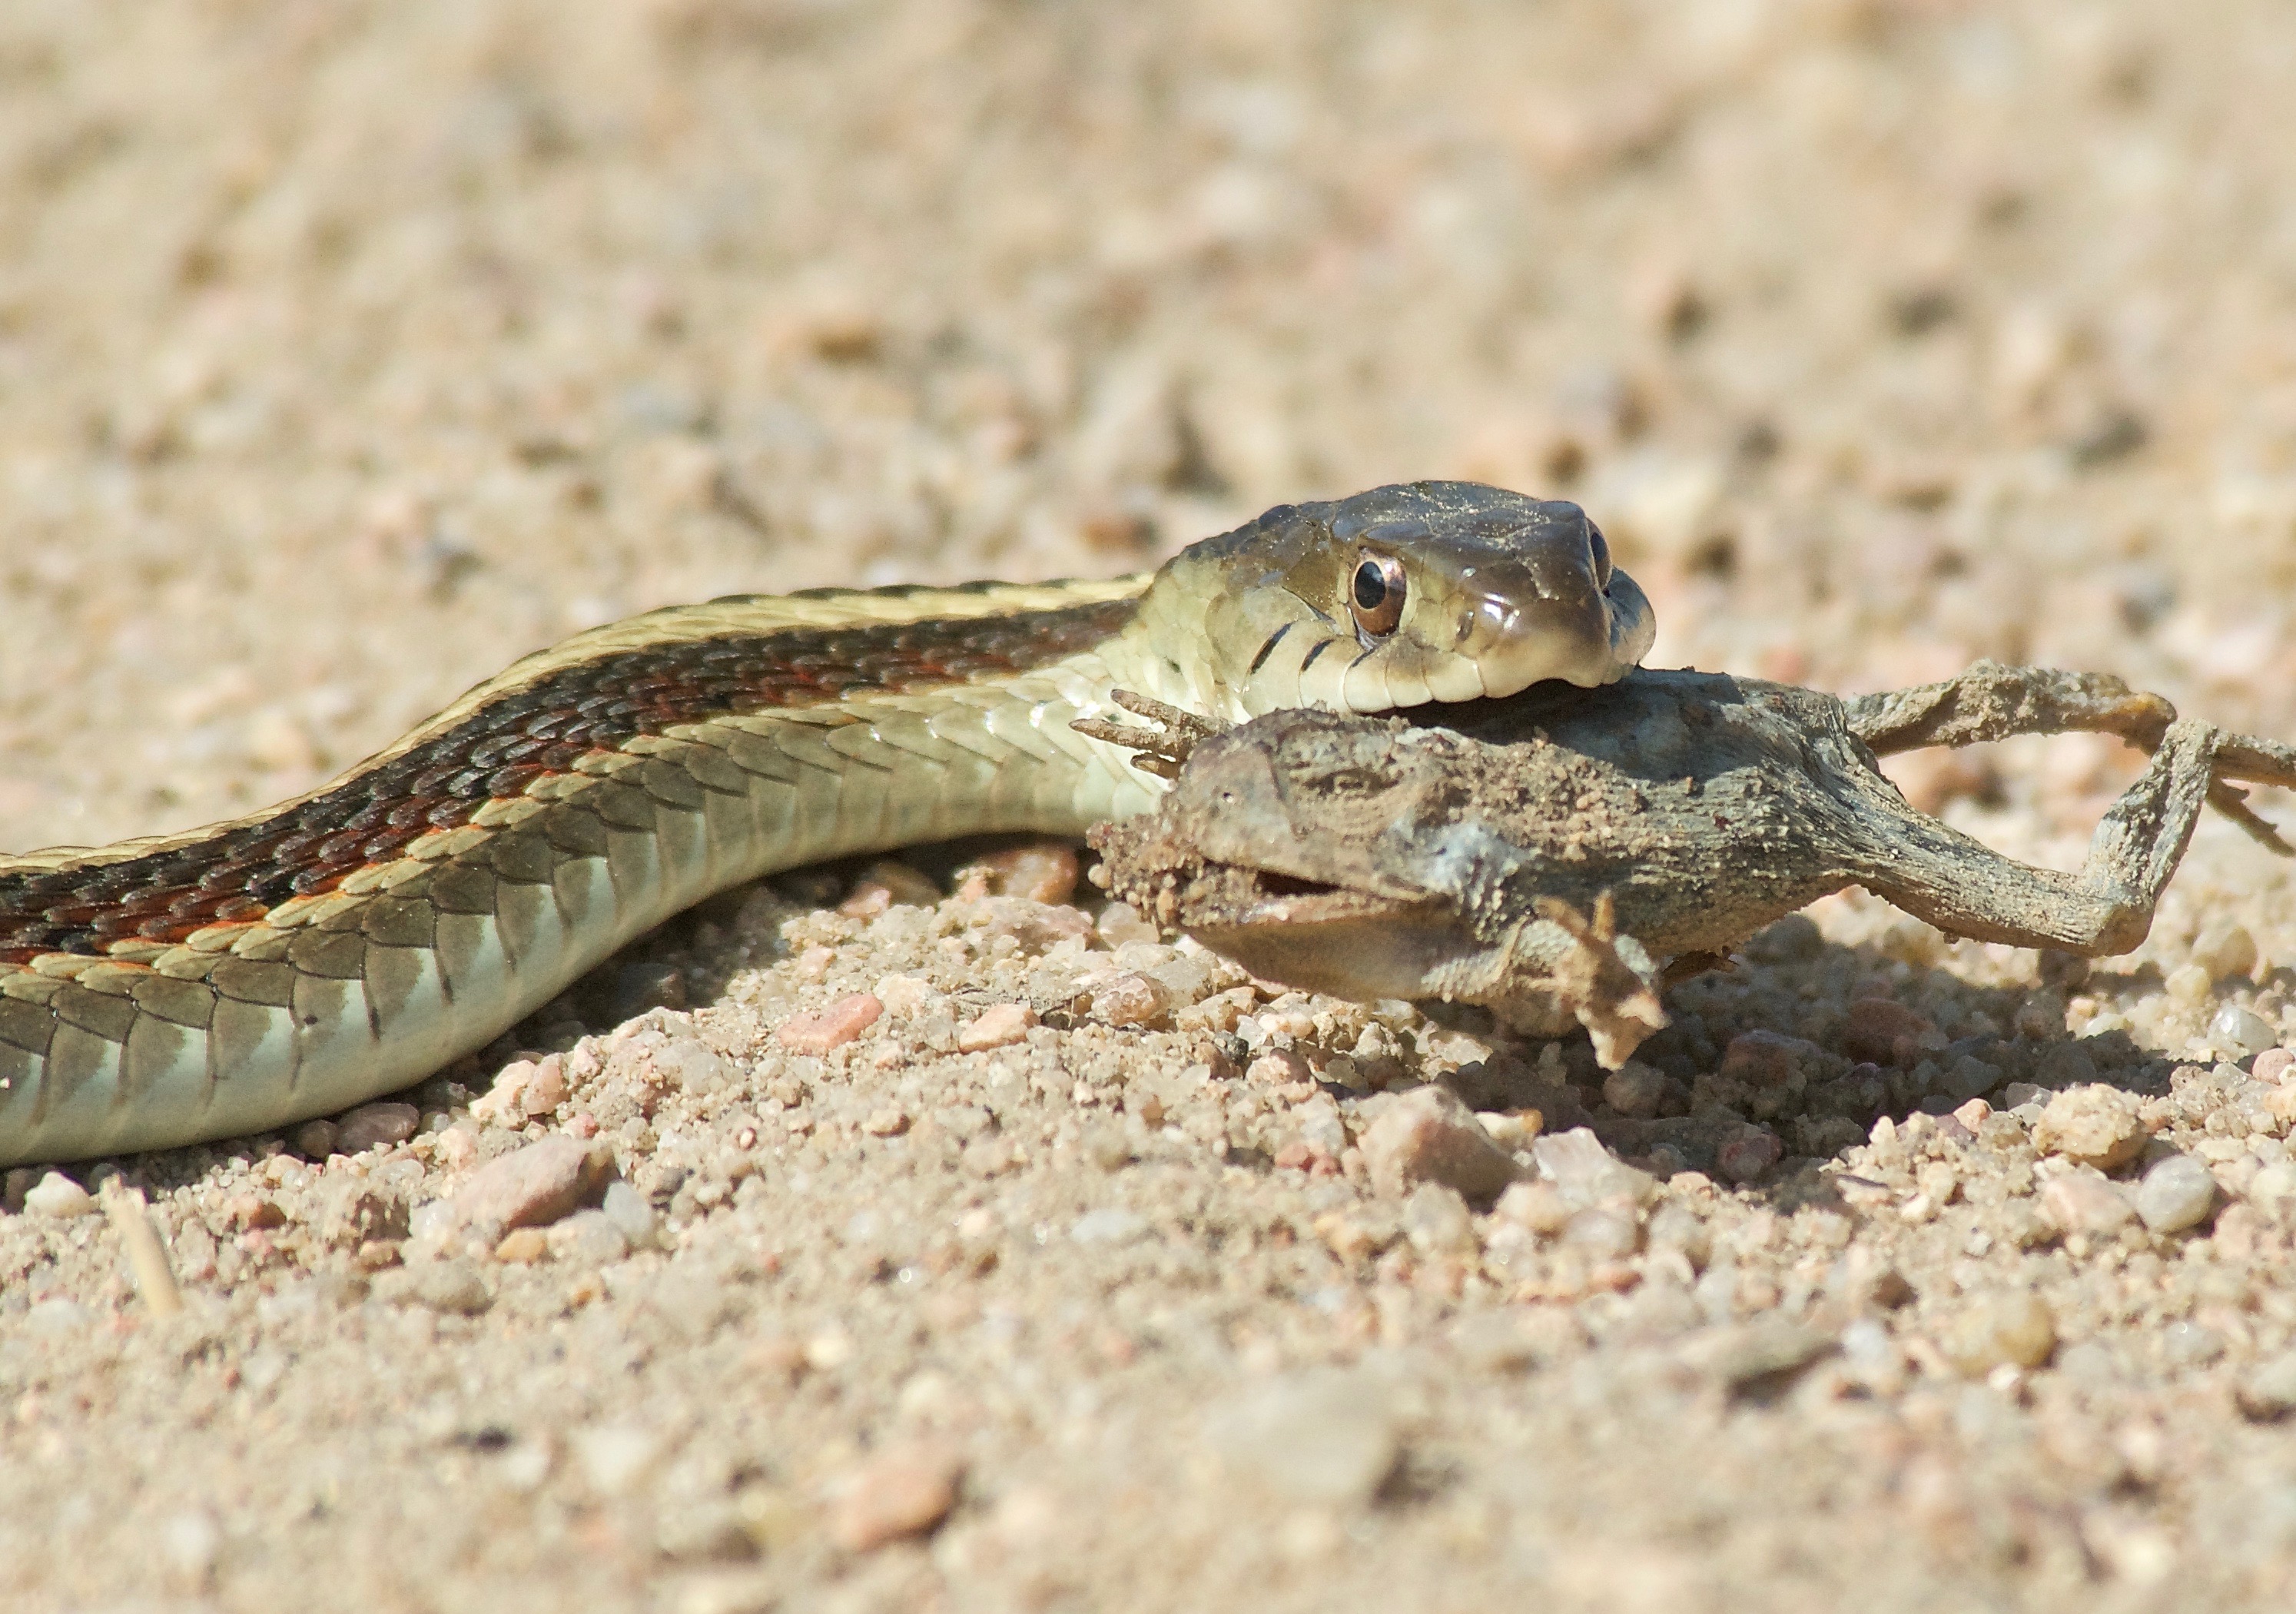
351,942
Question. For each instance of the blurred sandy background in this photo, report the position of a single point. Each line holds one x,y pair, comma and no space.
347,352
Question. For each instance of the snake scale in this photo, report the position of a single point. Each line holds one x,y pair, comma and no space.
351,942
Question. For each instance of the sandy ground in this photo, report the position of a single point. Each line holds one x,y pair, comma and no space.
348,350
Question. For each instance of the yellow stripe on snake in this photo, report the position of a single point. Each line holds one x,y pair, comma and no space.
351,942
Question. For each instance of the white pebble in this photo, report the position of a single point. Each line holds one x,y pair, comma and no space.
2190,984
58,1196
2241,1030
2177,1193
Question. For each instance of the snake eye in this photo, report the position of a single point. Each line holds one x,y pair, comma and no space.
1601,549
1376,594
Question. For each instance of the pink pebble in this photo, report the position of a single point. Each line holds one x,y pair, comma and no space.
831,1027
996,1027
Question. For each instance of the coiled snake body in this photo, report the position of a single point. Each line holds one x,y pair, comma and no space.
343,944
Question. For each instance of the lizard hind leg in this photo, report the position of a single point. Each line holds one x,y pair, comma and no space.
1967,889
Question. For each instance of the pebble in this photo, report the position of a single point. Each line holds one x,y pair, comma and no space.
1045,873
522,1247
1602,1232
2266,1393
1427,1135
2272,1064
1886,1033
998,1026
1120,922
831,1027
1319,1439
1437,1222
616,1458
533,1186
1538,1206
2010,1329
629,1211
369,1125
903,995
546,1089
315,1140
2096,1125
586,1239
1765,1058
1586,1173
1635,1089
58,1196
2241,1030
453,1286
1130,998
2177,1192
903,1492
2189,983
1109,1224
2224,950
2085,1202
1743,1356
1747,1153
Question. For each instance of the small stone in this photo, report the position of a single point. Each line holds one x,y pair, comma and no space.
2084,1202
889,1122
2066,1065
1886,1033
903,995
546,1088
2190,984
315,1140
1602,1232
616,1458
2175,1192
1427,1135
522,1247
1749,1355
1130,998
2225,950
691,1065
2012,1329
998,1026
453,1286
1279,1067
1747,1153
1437,1222
1042,873
2267,1392
2241,1030
373,1125
1633,1088
2272,1064
831,1027
1120,922
1109,1224
627,1210
586,1239
58,1196
1586,1173
1321,1439
903,1492
1765,1059
533,1186
2096,1125
1538,1206
189,1545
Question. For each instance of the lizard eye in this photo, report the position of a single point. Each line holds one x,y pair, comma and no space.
1376,594
1601,549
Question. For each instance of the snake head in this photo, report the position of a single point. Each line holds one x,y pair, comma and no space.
1429,591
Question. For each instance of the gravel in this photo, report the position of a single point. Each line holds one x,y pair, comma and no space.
348,353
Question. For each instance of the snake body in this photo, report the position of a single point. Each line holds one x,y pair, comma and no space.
347,943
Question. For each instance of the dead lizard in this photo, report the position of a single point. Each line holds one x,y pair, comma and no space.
1558,856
